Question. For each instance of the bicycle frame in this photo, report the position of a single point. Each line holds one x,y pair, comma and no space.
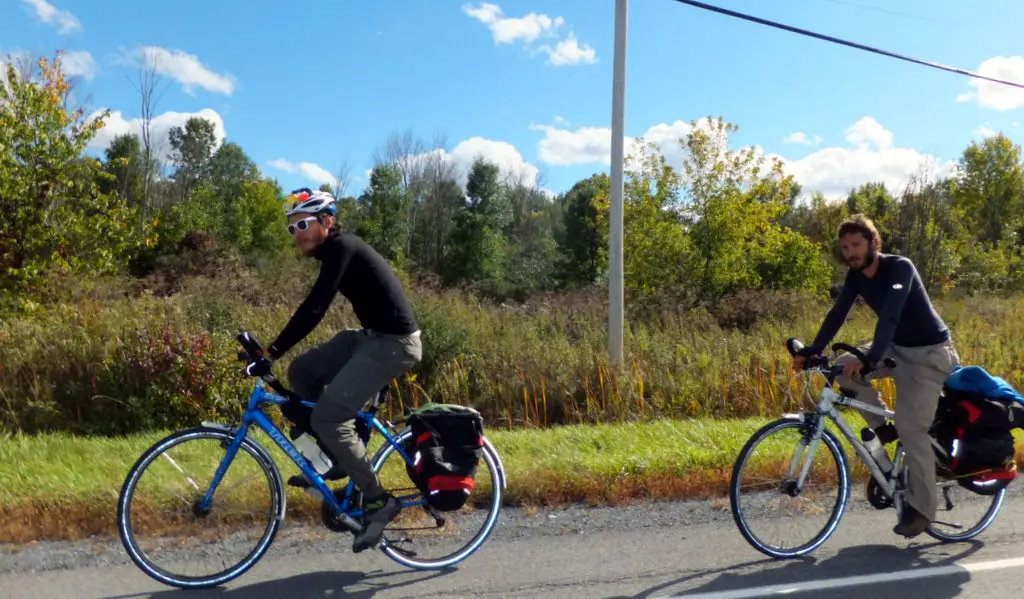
828,400
254,416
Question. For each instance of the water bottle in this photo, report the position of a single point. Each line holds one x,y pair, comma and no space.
316,456
877,450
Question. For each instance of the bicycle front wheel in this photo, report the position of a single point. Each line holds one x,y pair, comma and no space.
774,516
172,536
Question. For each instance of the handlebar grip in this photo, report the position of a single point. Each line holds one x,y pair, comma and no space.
252,347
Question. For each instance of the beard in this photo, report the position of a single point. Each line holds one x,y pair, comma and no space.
867,261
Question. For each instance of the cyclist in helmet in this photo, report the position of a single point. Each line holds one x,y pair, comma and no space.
346,372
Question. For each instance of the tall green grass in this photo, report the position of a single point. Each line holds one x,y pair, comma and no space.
113,359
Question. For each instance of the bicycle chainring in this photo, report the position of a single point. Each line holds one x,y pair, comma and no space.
877,497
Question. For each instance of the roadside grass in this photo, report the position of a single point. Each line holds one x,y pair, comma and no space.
59,486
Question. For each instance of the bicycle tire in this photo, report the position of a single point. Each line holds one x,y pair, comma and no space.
129,542
977,529
986,520
491,458
835,448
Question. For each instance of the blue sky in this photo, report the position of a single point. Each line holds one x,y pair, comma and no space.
307,86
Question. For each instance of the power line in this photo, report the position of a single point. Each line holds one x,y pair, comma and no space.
888,11
836,40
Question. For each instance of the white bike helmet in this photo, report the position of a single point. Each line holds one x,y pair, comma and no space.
307,201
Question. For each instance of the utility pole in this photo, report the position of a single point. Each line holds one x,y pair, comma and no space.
615,282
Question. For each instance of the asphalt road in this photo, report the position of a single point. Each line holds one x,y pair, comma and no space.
664,550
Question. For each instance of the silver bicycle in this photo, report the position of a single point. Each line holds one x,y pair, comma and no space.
805,485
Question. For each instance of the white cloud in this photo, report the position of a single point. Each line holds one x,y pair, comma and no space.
79,64
586,145
184,68
50,14
997,96
871,155
570,52
798,137
506,30
511,164
983,131
310,170
530,28
160,127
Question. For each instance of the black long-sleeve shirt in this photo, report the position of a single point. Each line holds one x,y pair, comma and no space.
353,268
897,296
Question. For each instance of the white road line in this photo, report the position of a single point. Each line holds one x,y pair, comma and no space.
849,581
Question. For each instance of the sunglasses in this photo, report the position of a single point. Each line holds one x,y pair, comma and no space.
301,225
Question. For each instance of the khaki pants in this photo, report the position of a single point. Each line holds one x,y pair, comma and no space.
919,375
342,375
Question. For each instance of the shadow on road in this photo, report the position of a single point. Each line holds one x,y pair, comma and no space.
350,585
851,561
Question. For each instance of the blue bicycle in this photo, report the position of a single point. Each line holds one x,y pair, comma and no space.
238,508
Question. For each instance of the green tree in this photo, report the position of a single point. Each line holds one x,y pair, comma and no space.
476,245
875,201
383,223
53,212
731,204
583,244
191,151
124,160
656,248
991,188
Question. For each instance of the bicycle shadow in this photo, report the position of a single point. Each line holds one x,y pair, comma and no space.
850,561
327,583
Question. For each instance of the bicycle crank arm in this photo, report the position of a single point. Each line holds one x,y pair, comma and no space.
350,523
951,524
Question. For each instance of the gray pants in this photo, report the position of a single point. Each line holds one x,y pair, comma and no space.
919,374
342,375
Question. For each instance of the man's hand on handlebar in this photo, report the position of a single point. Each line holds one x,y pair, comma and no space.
801,356
260,366
854,371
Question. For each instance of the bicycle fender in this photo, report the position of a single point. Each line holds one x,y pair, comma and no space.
220,427
501,466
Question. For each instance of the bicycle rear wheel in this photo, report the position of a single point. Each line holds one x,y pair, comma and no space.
963,513
160,498
425,539
774,458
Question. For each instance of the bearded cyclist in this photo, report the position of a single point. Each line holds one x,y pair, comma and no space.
346,372
908,330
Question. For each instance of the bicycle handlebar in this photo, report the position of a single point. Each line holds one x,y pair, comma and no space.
252,349
794,346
